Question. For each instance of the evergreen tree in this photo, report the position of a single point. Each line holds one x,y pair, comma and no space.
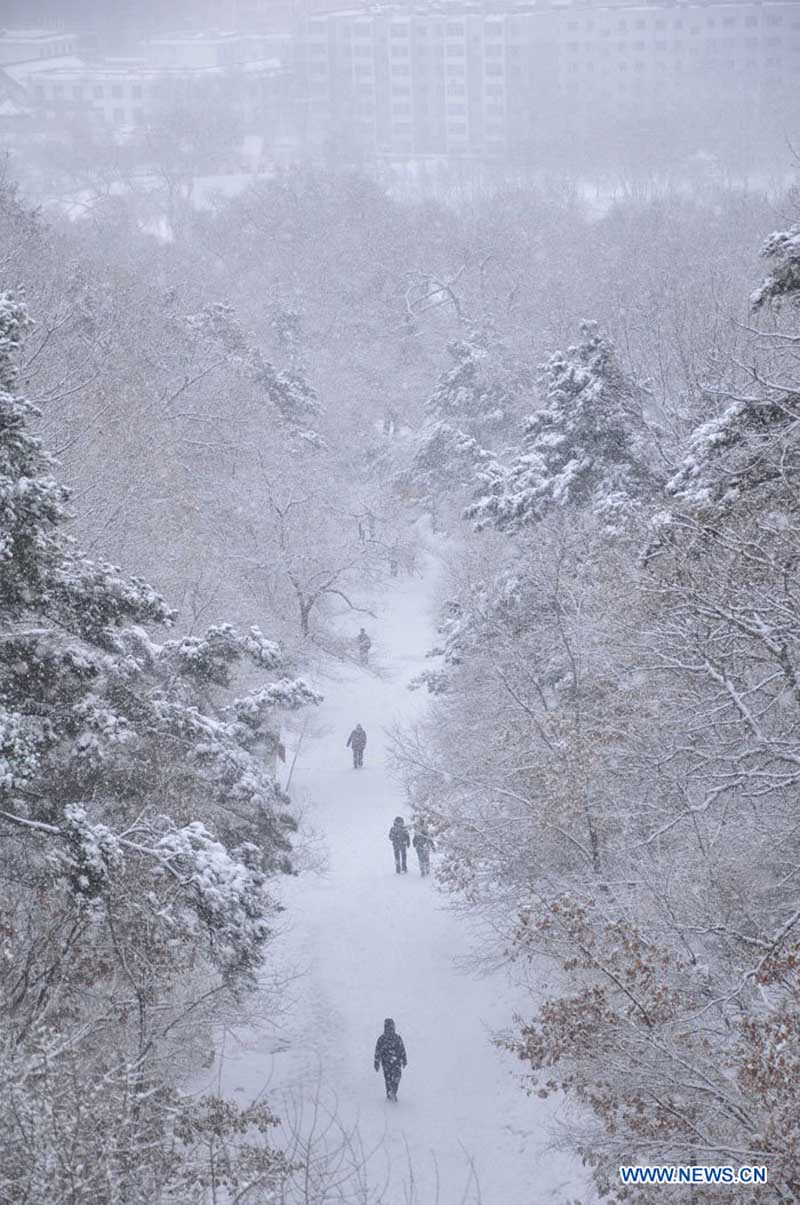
748,456
294,400
134,806
783,281
482,393
585,447
474,404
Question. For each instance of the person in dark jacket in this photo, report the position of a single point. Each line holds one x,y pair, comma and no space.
400,839
423,844
357,741
390,1054
364,645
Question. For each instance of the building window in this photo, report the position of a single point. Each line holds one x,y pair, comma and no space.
136,91
119,116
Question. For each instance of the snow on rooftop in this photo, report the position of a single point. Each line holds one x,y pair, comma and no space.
30,35
19,72
193,39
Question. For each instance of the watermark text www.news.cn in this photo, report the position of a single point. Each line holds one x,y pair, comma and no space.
661,1174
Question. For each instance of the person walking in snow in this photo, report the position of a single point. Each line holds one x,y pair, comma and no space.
364,645
390,1054
357,741
400,839
423,844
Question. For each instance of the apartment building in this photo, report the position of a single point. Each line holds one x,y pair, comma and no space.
25,45
493,81
123,92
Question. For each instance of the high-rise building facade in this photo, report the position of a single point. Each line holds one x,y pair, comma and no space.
493,80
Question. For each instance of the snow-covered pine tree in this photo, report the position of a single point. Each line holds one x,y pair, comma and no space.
473,406
586,447
783,281
287,390
483,391
748,456
675,1027
138,817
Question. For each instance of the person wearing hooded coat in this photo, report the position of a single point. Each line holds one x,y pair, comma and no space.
357,741
390,1054
423,843
400,839
364,645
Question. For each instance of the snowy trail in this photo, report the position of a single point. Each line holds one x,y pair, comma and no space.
373,944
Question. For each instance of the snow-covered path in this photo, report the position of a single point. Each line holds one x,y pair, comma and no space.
371,944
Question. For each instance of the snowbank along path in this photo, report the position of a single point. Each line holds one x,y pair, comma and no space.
369,944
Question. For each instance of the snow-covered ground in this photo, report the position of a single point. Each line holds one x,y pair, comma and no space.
370,944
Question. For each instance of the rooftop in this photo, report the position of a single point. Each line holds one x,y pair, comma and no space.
29,35
21,71
71,69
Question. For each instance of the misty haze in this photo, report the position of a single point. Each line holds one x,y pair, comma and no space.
399,602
